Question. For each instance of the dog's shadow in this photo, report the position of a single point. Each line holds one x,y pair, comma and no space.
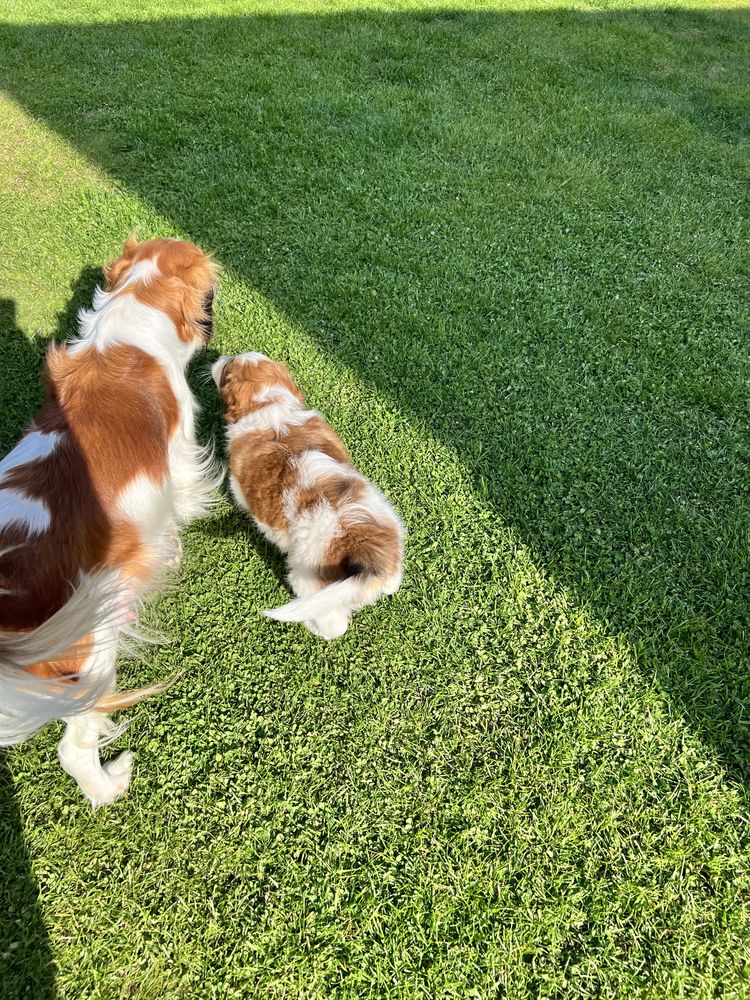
21,391
26,963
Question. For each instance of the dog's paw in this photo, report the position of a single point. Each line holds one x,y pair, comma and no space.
175,558
117,780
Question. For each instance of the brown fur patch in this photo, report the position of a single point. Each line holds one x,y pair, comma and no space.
260,464
362,549
335,490
261,460
66,667
115,412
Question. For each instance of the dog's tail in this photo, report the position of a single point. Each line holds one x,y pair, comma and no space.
368,557
85,624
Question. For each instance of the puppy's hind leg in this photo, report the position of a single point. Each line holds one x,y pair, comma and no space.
303,581
332,625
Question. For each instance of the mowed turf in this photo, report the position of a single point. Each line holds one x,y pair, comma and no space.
504,250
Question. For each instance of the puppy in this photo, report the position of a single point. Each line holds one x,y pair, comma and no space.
91,499
343,540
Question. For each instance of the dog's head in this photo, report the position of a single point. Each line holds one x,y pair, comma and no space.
249,381
173,276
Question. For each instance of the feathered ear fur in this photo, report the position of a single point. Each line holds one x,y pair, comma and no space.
130,243
113,269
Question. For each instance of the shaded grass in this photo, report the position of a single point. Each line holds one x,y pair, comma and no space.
504,252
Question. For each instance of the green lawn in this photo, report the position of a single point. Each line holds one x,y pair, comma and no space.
504,248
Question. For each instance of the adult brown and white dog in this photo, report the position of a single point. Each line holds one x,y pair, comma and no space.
91,499
290,470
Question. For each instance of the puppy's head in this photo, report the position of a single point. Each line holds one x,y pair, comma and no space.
249,381
173,276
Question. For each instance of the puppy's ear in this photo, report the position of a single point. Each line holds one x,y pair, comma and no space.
225,379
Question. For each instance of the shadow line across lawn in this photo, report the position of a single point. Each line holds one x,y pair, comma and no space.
523,228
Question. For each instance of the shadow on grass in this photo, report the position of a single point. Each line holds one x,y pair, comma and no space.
520,227
26,967
21,391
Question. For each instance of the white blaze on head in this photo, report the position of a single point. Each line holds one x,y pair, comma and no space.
252,357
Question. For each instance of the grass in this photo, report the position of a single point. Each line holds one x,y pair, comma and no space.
504,249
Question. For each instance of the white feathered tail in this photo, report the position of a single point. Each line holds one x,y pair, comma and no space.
341,594
28,702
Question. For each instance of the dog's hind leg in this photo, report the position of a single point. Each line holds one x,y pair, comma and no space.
78,750
78,753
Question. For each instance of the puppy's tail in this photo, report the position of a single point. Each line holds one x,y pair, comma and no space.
367,559
86,623
342,594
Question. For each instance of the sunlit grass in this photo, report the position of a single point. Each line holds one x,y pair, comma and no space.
504,251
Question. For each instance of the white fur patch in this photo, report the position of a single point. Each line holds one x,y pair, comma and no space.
194,477
217,368
312,533
276,417
16,507
25,511
122,319
239,496
32,446
315,465
146,504
278,394
278,538
253,357
142,271
374,506
28,702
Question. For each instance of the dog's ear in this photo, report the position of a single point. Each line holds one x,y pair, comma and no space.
130,244
288,382
114,268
